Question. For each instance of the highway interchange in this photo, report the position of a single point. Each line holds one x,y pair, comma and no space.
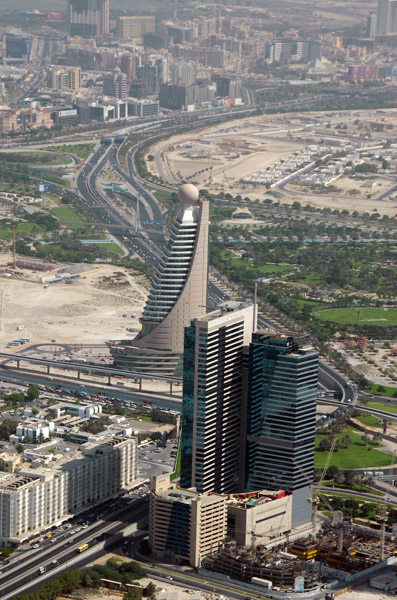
148,244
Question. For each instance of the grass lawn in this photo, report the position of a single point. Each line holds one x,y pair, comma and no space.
369,420
355,486
66,213
370,316
355,456
81,150
112,248
269,269
349,497
177,472
388,393
26,228
390,408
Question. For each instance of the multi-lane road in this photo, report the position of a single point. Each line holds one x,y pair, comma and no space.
50,556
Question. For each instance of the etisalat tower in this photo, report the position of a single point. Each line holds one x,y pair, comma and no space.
178,294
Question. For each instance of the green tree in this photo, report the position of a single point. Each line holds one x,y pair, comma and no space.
19,448
150,591
6,551
33,392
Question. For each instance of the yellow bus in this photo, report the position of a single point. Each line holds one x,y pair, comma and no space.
82,548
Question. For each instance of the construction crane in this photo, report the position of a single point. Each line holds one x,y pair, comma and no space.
51,258
381,519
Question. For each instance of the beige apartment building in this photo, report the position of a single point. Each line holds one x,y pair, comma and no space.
63,79
185,525
37,498
135,27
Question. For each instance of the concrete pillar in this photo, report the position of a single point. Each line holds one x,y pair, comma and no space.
171,388
140,383
78,374
109,378
384,426
48,369
18,361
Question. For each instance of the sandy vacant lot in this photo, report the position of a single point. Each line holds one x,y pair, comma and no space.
90,310
219,157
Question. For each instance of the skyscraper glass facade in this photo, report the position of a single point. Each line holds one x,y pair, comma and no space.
212,394
281,407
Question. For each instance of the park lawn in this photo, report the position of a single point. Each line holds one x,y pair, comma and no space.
368,316
66,213
113,248
5,234
390,408
269,269
354,457
354,486
301,303
369,420
388,393
310,279
27,228
81,150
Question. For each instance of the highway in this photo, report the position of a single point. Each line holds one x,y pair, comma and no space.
156,399
52,555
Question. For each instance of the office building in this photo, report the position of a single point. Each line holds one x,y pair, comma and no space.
387,17
115,84
142,108
135,27
128,66
35,499
228,88
372,25
179,293
211,443
18,46
256,518
281,410
173,97
89,18
180,33
185,525
138,89
182,72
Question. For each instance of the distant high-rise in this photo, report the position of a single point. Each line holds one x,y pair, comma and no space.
179,292
212,398
281,413
128,66
115,84
89,18
182,72
387,17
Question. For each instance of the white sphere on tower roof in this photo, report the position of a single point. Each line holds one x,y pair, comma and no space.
188,193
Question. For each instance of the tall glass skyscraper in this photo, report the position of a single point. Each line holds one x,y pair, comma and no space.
281,412
212,392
